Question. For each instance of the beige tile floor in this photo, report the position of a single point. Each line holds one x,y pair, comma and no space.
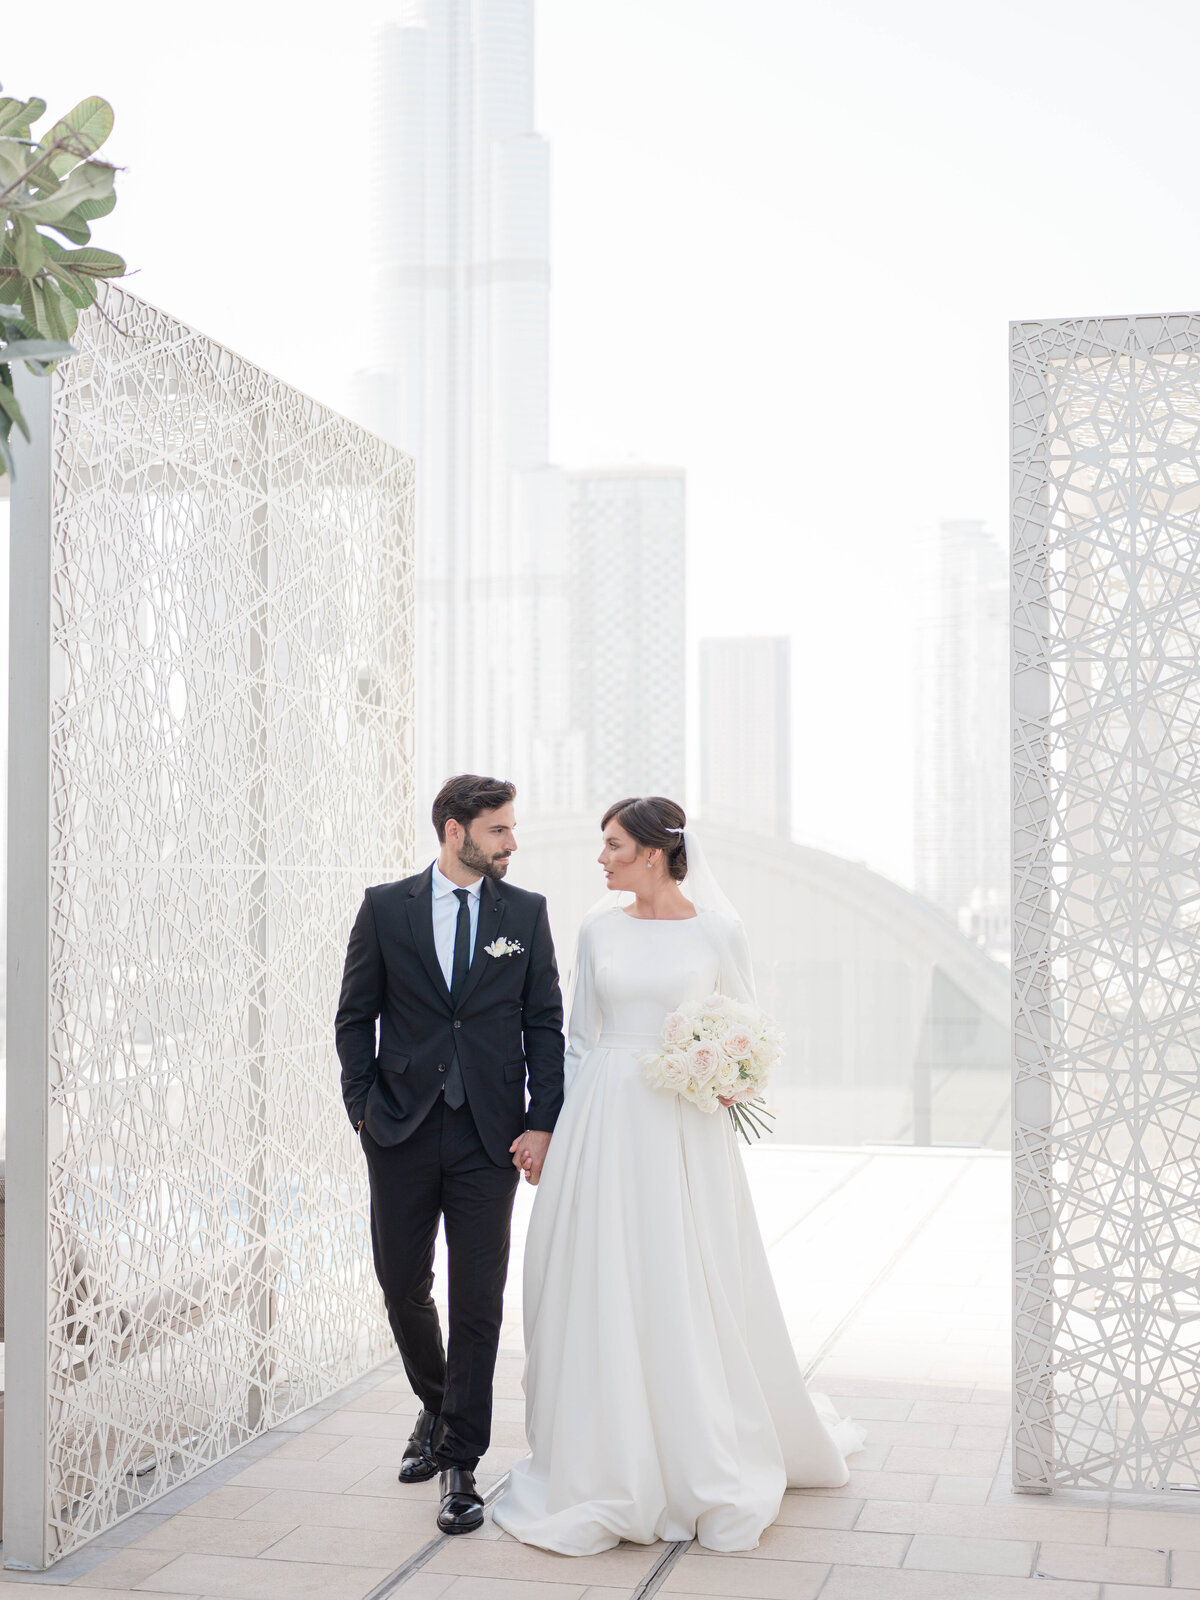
893,1270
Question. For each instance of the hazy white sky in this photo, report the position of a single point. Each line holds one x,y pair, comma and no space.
788,237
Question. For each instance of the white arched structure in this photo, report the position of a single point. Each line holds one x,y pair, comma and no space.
897,1025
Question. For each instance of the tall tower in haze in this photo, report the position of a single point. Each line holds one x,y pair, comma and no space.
628,636
746,733
961,848
461,382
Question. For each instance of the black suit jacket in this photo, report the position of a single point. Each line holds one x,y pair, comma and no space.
507,1023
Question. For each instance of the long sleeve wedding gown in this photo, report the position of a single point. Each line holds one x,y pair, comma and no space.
663,1397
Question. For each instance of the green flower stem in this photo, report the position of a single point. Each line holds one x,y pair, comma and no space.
751,1118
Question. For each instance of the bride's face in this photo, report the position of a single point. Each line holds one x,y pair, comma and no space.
626,864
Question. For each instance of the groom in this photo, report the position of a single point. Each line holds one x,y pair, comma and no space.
457,967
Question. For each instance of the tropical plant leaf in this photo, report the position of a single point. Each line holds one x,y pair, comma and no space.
11,407
75,227
13,162
84,128
90,181
13,325
89,210
92,262
36,350
55,316
81,292
77,233
29,248
6,460
18,116
48,183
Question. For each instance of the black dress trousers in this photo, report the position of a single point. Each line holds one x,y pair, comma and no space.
443,1170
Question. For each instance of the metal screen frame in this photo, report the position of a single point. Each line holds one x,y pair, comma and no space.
210,756
1106,901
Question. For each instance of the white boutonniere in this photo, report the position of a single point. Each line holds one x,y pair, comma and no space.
504,947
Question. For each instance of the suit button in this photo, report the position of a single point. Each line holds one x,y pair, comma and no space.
441,1066
458,1024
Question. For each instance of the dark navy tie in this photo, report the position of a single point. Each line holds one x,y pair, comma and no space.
454,1092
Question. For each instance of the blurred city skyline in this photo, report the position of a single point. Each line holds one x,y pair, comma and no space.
786,241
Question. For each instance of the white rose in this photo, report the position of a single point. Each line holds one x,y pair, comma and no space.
652,1069
706,1100
737,1043
728,1075
675,1072
676,1028
703,1060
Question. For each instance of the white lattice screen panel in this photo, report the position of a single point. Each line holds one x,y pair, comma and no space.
1106,955
228,755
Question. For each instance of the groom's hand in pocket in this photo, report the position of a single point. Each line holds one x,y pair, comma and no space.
529,1152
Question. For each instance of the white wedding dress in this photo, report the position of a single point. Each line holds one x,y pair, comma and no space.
663,1396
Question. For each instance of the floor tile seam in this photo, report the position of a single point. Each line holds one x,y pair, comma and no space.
861,1566
79,1563
998,1538
331,1403
255,1490
830,1343
837,1188
820,1590
395,1580
1037,1558
652,1580
816,1561
978,1538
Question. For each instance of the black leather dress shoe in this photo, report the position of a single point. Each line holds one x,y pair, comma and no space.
462,1504
417,1464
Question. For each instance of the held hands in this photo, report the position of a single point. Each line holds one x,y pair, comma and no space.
529,1152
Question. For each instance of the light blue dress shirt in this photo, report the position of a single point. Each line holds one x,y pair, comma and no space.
445,918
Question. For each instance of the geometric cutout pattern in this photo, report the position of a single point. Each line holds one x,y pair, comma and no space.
230,763
1106,901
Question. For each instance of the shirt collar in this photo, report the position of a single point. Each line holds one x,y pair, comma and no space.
442,885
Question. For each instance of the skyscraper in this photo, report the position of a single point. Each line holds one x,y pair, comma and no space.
961,848
461,383
626,546
745,733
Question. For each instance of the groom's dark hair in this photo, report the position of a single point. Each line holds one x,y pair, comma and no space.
465,797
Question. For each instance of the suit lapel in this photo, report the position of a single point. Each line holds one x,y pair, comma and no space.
420,919
491,915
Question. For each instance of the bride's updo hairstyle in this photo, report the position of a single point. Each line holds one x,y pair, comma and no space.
648,821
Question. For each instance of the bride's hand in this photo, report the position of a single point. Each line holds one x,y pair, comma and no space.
529,1152
727,1102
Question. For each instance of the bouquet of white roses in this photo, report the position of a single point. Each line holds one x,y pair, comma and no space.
718,1049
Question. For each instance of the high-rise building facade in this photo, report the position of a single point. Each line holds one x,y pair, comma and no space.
745,734
961,834
627,567
461,383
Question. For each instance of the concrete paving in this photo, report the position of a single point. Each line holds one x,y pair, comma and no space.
893,1267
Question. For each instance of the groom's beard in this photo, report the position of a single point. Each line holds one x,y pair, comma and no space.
475,861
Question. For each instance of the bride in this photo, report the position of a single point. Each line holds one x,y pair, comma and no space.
663,1397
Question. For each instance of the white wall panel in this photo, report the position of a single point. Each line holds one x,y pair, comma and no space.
1106,937
211,756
